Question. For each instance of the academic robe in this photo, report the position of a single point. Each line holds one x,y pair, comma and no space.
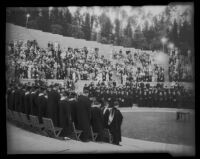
34,103
9,92
53,106
106,113
83,116
65,117
42,106
17,100
22,106
97,122
12,100
27,103
73,106
115,125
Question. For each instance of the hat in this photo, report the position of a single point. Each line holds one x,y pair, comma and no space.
116,103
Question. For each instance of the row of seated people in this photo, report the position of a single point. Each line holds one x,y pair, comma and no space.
65,108
143,95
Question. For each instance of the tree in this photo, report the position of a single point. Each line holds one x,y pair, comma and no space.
106,27
139,39
87,27
67,21
173,34
117,31
128,30
43,20
149,34
56,29
186,40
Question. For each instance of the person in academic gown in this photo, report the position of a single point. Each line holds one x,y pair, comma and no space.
105,110
97,122
65,115
160,99
150,98
22,95
145,99
53,105
155,98
174,99
17,98
83,111
27,101
122,99
34,102
141,102
114,122
9,92
12,99
73,107
42,103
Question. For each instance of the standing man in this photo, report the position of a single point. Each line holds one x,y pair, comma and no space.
34,102
42,103
114,122
65,114
53,105
84,115
27,101
97,119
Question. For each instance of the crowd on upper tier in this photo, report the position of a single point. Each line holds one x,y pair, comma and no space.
180,67
28,60
138,66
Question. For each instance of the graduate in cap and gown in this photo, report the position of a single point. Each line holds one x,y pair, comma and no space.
12,99
27,101
83,112
53,105
22,95
97,122
105,110
73,106
17,98
114,122
42,103
65,120
34,102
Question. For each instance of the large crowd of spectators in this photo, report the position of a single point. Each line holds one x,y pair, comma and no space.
180,67
138,66
32,62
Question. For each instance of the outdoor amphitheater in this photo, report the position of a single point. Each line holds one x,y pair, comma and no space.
157,104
